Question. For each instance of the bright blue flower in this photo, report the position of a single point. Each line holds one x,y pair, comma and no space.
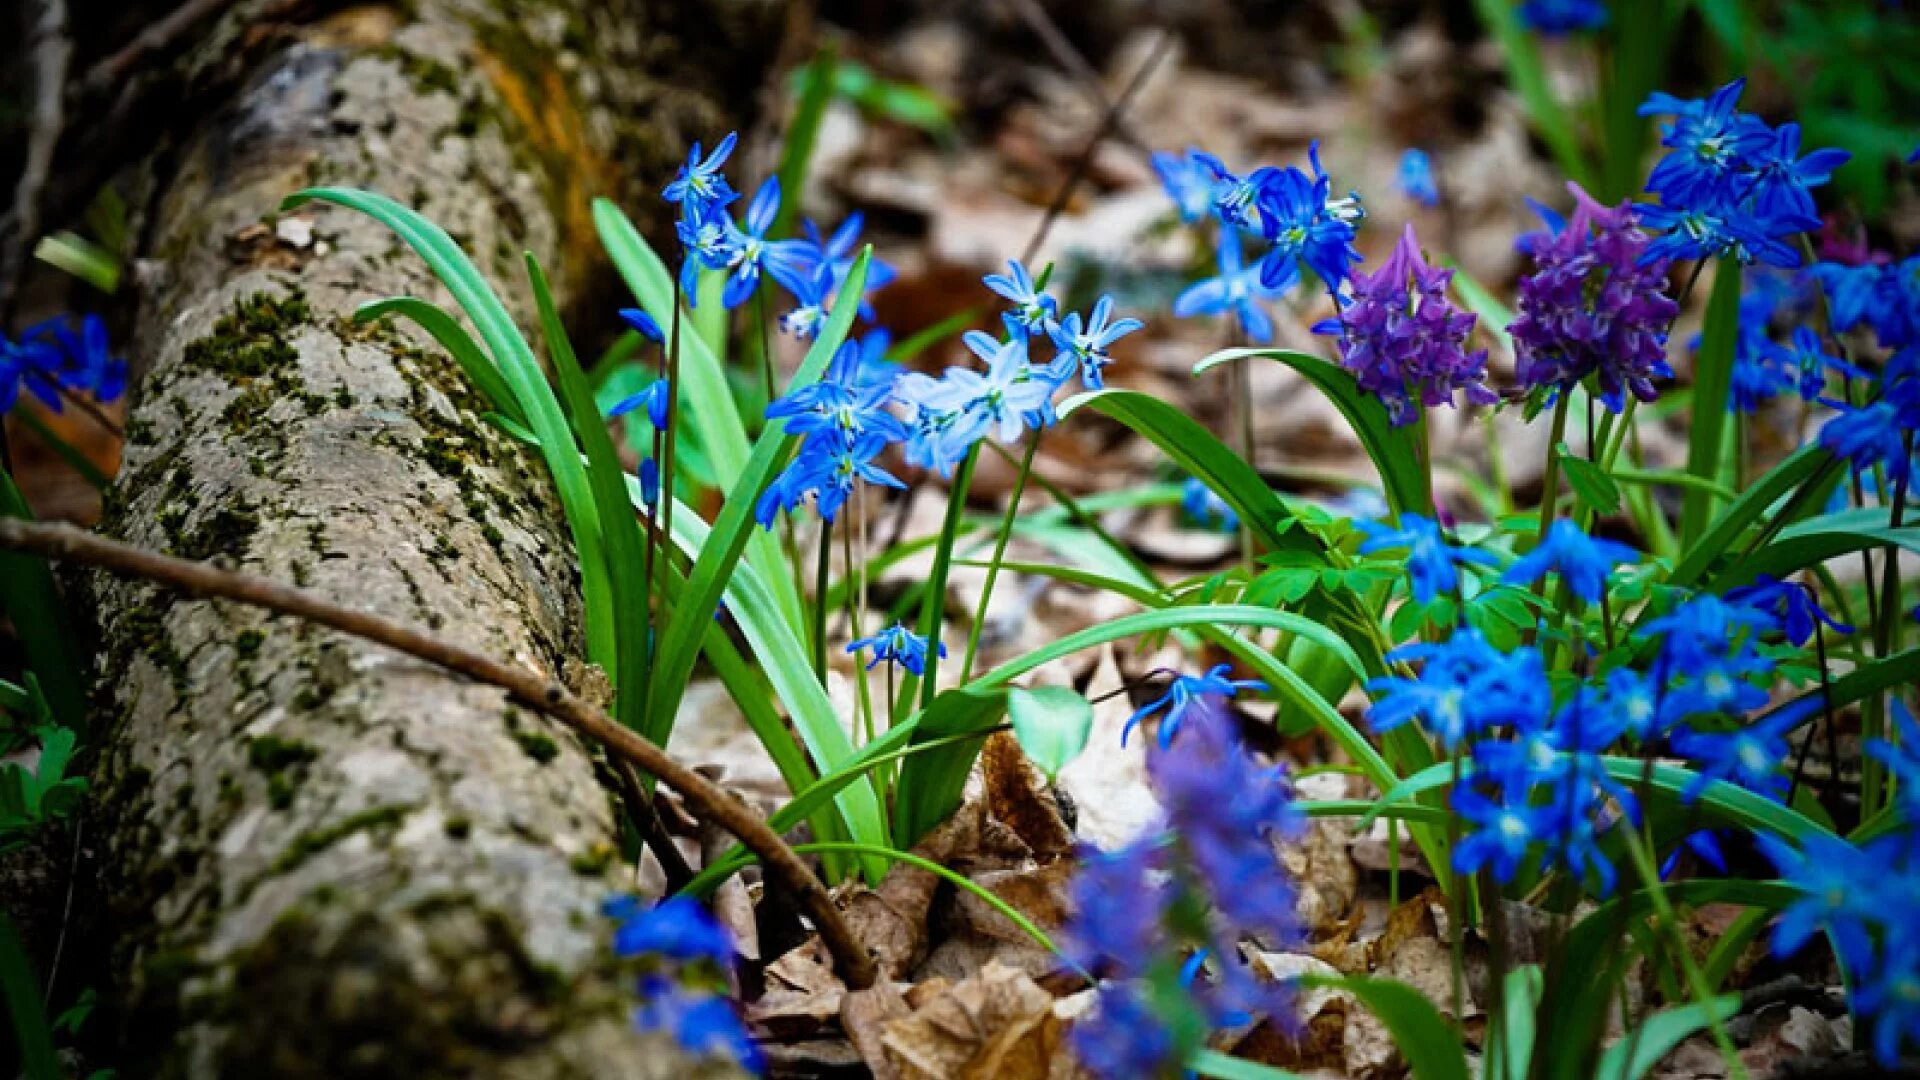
1305,225
1415,179
1502,831
1088,343
1782,178
705,1025
898,645
1869,435
1789,602
811,292
706,235
1883,295
1431,560
749,252
1236,289
1704,846
1187,181
845,402
677,928
1706,232
1207,508
51,357
1837,883
1902,759
1033,312
1010,396
1891,995
1184,695
827,467
649,482
1582,562
642,324
1465,687
1748,756
1702,631
1232,198
699,184
653,399
836,255
1806,359
1712,144
1633,700
1557,17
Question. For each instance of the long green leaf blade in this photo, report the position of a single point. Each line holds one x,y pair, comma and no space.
478,368
1712,380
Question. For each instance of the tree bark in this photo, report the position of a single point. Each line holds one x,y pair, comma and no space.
323,859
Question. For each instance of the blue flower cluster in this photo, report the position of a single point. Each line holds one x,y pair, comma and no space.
1136,910
682,943
1296,213
1880,432
1433,561
1730,184
55,357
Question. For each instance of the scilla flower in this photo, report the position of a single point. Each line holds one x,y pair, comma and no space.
1033,311
1582,562
700,183
1184,694
1415,179
898,645
1237,290
1087,343
1432,562
687,952
1305,225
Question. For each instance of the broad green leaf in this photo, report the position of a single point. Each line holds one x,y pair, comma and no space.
1590,483
706,398
1874,677
21,990
454,338
733,532
29,598
1660,1033
528,383
1712,379
1220,1066
1755,504
1814,541
931,784
1051,723
1517,1031
1430,1044
1395,452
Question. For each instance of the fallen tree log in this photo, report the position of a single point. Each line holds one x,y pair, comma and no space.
320,858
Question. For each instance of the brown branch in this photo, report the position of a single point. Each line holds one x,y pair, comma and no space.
159,37
706,799
1067,56
51,50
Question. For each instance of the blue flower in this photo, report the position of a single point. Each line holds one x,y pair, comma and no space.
1582,562
1207,508
1749,756
835,256
1712,143
1869,435
653,399
1010,396
706,235
1782,178
899,645
1305,225
811,290
1705,232
1891,996
1088,344
827,467
1806,359
642,324
1633,700
704,1025
1902,759
1557,17
749,252
677,928
1233,199
1415,180
1033,311
1187,181
1124,1039
1836,881
1885,296
846,401
1465,687
1431,560
1789,602
1703,631
1502,832
1185,694
1236,289
699,184
52,357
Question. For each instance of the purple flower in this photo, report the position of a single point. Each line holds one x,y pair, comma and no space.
1118,899
1124,1039
1594,307
1401,337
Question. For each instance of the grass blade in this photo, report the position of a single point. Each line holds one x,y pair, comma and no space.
1712,380
454,338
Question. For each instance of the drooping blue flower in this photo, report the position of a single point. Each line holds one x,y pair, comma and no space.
1404,341
700,184
1304,224
1087,343
52,357
1237,289
706,235
1559,17
1033,311
1748,756
1184,695
1432,562
1582,562
703,1024
1869,435
642,323
835,255
1187,181
1232,198
846,401
1881,294
828,467
1835,879
1204,506
653,399
1789,602
1593,307
1806,359
677,928
1415,179
898,645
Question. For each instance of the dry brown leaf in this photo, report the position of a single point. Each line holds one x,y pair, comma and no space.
864,1013
1017,796
1108,782
1320,863
1321,1021
998,1024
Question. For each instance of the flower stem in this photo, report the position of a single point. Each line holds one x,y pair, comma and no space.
999,553
1550,475
1696,979
822,569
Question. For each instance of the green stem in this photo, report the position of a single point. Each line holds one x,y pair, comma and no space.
1696,979
1886,637
1082,517
821,571
1550,475
933,603
999,553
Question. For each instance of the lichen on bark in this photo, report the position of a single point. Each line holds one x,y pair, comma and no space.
324,859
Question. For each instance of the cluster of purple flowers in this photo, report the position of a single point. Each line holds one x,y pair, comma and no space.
1220,881
1730,184
1404,341
1594,305
56,357
1859,896
687,953
1294,211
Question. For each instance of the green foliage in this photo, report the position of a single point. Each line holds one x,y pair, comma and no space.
1052,724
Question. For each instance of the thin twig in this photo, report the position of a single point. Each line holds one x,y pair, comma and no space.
51,50
161,36
703,797
1063,52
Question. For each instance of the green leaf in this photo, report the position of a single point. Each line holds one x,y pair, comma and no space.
1052,723
931,784
81,257
1517,1031
1804,466
620,532
814,89
1659,1034
1395,451
1430,1044
1529,78
1590,482
528,383
21,990
30,599
1712,380
1222,1067
1864,681
1814,541
706,400
452,337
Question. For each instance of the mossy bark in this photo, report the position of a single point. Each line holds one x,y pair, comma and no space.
321,858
